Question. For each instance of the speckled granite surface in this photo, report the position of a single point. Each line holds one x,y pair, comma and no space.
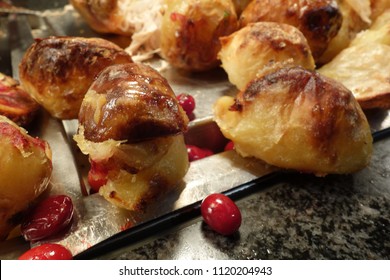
337,217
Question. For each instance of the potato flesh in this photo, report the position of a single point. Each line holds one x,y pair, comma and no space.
25,170
363,67
140,172
134,191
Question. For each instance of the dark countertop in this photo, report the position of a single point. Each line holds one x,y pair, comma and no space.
336,217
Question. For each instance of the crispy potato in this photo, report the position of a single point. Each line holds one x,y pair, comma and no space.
191,30
57,71
104,16
131,102
132,125
352,24
25,170
15,103
319,21
140,172
261,46
363,67
297,119
379,32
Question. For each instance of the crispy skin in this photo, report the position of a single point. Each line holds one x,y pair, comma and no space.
254,49
25,170
364,66
297,119
15,103
318,20
57,71
131,102
191,30
103,16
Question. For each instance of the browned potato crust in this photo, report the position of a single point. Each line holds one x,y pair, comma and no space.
131,102
297,119
57,71
318,20
364,66
25,170
103,16
260,46
352,24
191,30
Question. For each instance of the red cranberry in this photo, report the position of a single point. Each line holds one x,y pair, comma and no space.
47,252
187,102
229,146
195,153
97,176
221,214
49,217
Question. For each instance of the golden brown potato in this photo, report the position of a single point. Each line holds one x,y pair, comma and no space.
15,103
318,20
363,67
191,30
297,119
104,16
352,24
25,170
131,102
261,46
131,125
57,71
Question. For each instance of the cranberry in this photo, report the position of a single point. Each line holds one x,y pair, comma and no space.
97,176
187,102
221,214
48,218
229,146
195,153
47,252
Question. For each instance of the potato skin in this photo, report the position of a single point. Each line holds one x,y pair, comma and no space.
351,25
25,170
297,119
259,46
131,102
103,16
57,71
319,21
191,30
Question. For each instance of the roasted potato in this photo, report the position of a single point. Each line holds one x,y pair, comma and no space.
132,125
261,46
15,103
363,67
297,119
318,20
57,71
191,30
105,16
25,170
352,24
131,102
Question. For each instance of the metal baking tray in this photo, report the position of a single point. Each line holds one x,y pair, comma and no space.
99,226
